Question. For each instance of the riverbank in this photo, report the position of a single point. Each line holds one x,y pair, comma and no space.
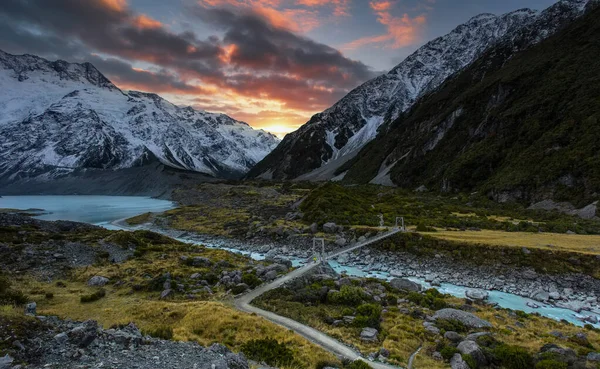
575,292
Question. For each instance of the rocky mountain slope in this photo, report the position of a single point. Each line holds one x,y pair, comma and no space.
57,117
336,135
517,126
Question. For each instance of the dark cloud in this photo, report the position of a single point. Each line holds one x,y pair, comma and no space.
260,45
253,57
109,27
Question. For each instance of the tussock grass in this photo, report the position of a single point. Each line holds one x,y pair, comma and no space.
139,219
206,322
585,244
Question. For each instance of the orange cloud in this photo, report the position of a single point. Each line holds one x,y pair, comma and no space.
401,31
145,22
115,5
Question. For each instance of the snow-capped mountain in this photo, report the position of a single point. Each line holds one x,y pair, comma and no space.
56,117
336,135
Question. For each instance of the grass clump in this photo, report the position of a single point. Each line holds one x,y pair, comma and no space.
9,296
163,332
93,296
269,351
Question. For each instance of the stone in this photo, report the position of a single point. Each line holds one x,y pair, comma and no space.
478,295
314,228
340,241
369,334
457,362
6,362
97,281
270,275
453,337
402,284
473,349
593,356
329,228
196,276
166,294
199,261
432,329
362,239
468,319
421,188
384,352
61,338
476,335
542,296
31,309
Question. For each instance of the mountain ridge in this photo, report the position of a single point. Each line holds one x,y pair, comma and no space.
59,116
516,126
331,138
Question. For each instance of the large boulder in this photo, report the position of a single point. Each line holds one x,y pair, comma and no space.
402,284
97,281
369,335
472,348
477,295
457,362
466,318
330,228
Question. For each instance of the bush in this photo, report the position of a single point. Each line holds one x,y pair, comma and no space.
451,325
251,280
8,296
326,364
49,295
93,297
268,351
551,364
513,357
448,351
358,364
431,299
348,295
471,362
368,315
163,332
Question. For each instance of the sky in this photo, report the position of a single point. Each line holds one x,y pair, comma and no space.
270,63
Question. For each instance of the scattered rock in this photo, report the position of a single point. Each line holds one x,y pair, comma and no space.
457,362
97,281
31,309
166,294
466,318
478,295
330,228
5,362
369,335
472,348
453,337
402,284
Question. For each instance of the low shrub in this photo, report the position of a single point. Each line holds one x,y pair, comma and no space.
8,296
451,325
551,364
269,351
448,352
367,315
348,295
513,357
93,297
49,295
471,362
431,299
251,280
358,364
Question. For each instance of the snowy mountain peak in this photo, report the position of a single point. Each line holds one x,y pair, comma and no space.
60,116
331,138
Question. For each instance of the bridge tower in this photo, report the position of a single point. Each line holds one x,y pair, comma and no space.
320,254
400,224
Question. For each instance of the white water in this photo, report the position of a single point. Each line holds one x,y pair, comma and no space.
104,210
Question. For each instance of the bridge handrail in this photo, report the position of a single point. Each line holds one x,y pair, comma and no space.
362,244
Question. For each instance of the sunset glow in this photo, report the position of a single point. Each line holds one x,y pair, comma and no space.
270,63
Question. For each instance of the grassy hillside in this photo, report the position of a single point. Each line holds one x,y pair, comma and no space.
523,126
